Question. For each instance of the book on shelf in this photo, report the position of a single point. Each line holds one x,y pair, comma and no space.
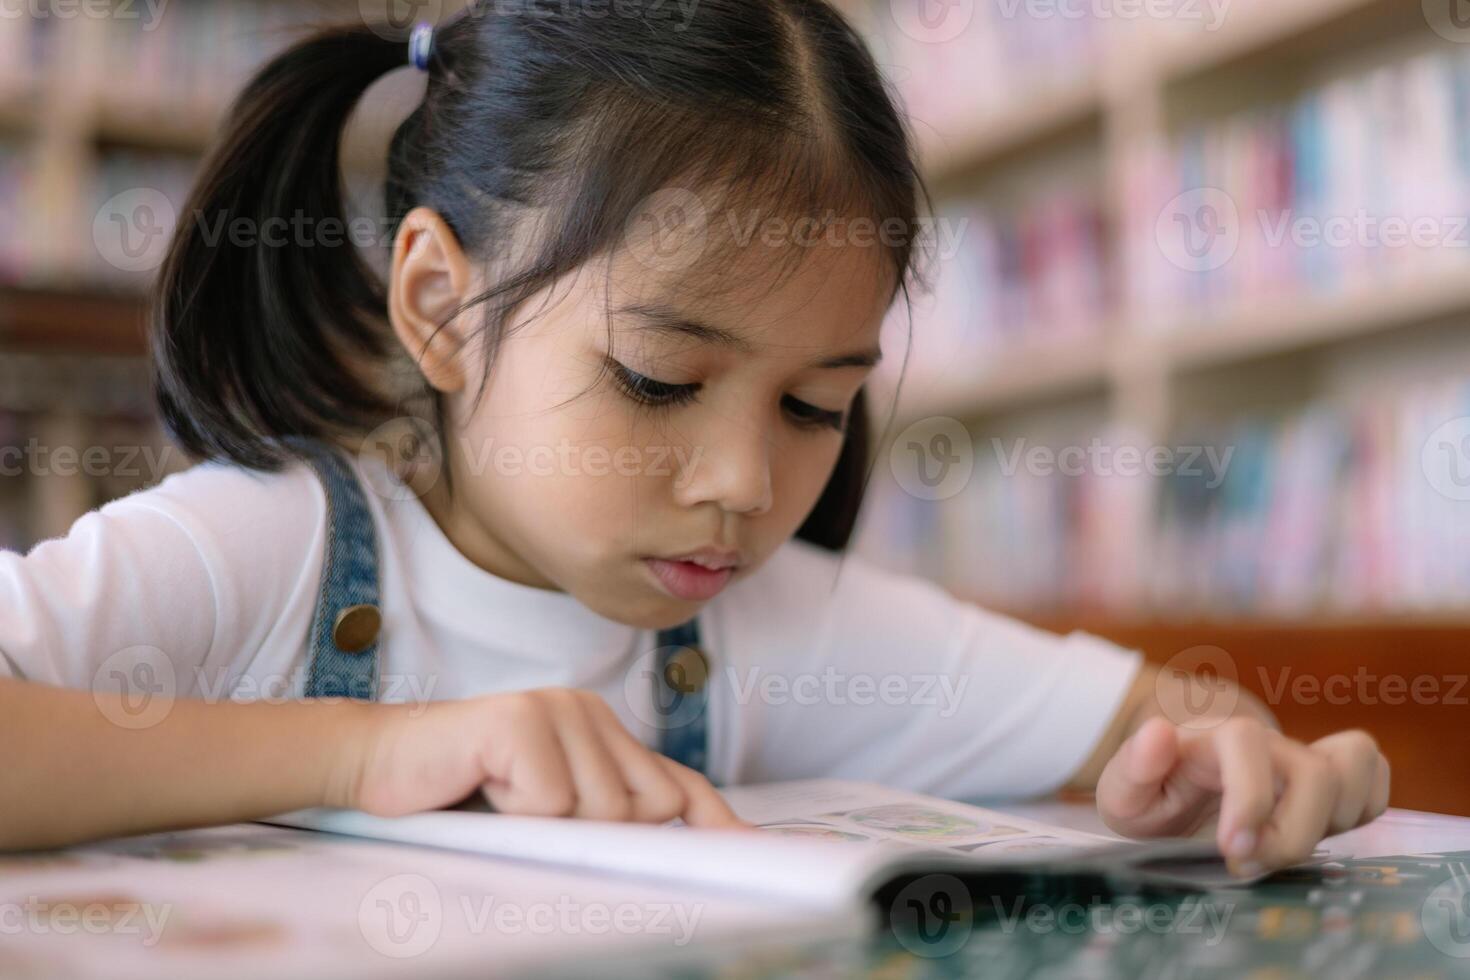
1029,271
198,55
23,49
979,60
1363,177
75,433
1356,505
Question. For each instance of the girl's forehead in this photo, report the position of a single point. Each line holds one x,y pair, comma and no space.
760,294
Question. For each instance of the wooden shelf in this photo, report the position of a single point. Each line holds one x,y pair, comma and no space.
59,319
1264,29
17,102
1274,327
989,137
1012,379
1142,62
190,128
1290,323
182,128
1323,677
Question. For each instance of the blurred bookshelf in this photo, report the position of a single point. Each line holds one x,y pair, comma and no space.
1309,109
1334,539
96,109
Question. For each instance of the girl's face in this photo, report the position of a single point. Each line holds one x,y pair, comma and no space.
628,424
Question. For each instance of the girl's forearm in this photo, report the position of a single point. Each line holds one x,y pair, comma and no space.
79,766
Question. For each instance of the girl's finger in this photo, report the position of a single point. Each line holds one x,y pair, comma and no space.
656,796
1355,755
703,804
601,792
534,777
1378,797
1133,781
1301,815
1247,785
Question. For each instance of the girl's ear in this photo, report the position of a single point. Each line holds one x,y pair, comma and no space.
431,277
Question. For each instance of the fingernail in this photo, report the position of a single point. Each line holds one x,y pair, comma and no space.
1242,843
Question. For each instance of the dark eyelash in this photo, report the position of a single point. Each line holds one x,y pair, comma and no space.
810,416
650,392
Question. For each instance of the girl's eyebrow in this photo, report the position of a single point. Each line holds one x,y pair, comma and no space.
668,320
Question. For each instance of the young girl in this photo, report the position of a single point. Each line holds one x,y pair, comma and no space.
615,578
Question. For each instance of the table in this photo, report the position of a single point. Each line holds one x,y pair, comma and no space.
301,904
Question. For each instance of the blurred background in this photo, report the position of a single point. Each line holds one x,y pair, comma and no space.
1194,376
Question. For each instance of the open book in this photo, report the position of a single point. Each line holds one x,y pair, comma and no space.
829,844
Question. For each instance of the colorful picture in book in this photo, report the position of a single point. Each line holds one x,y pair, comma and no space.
918,822
1043,843
812,829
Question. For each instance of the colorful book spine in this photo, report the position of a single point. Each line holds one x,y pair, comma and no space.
1350,508
1363,178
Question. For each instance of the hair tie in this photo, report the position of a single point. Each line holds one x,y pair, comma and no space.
421,46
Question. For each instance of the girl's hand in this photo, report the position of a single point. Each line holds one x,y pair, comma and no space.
552,752
1275,797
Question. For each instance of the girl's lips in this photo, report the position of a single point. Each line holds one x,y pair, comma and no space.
686,580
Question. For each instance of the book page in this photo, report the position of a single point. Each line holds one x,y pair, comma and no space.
735,861
866,813
247,901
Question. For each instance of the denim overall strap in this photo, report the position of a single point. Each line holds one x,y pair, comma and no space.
343,649
682,693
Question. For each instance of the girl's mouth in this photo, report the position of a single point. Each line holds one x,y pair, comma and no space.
687,580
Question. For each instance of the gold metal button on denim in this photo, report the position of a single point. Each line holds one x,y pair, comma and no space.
687,671
356,628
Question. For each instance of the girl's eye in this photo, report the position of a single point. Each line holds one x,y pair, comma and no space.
650,392
812,417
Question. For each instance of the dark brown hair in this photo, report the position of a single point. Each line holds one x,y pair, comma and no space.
538,107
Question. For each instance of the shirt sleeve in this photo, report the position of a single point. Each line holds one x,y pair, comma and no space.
855,672
186,577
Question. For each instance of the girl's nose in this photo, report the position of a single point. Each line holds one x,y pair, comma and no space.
730,467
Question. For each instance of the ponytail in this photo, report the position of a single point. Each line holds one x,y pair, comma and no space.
253,339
